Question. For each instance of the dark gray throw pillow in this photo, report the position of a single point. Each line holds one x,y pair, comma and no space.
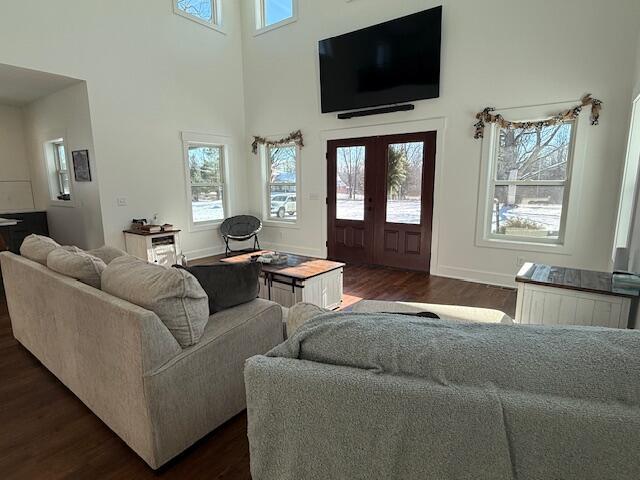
227,284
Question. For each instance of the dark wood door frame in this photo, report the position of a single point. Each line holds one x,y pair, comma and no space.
374,240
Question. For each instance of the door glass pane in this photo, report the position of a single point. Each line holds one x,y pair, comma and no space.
350,166
404,182
527,211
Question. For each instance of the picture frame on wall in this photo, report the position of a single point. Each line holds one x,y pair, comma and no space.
81,165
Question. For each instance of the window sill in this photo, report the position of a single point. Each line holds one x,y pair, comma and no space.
557,248
204,23
293,224
62,203
204,227
275,26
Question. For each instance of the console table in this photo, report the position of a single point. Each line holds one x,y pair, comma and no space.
550,295
162,248
301,279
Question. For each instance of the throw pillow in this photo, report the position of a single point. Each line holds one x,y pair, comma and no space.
227,284
107,253
76,263
175,296
38,248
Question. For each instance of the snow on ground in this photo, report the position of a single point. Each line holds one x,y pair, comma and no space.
546,215
206,211
398,211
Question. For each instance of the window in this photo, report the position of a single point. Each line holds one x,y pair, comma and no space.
273,13
529,182
57,167
282,182
205,165
205,12
62,171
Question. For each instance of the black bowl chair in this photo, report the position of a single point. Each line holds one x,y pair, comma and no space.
240,228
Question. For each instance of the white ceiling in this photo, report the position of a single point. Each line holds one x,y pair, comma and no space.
20,86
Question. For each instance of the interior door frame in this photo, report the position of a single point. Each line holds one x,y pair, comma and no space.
437,124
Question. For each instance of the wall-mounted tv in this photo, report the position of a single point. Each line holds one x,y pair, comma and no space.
393,62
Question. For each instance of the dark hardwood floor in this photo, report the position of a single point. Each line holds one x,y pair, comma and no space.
47,433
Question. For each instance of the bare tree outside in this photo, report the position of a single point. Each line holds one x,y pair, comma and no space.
201,9
350,170
530,177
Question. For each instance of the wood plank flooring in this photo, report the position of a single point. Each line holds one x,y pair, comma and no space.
47,433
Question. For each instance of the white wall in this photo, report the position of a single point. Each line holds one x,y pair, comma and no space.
15,180
150,75
495,52
65,114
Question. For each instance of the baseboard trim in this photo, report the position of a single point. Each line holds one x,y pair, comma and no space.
476,276
204,252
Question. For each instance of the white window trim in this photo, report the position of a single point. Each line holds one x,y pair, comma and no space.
629,187
484,237
48,150
266,174
217,22
261,28
190,139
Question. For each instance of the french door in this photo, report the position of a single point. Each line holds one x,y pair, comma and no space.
380,200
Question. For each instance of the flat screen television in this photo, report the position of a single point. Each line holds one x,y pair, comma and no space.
393,62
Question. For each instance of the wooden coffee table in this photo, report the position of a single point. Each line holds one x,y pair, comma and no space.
301,279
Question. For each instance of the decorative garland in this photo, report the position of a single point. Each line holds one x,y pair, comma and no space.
294,137
486,116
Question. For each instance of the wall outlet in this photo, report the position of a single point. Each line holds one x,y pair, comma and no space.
122,201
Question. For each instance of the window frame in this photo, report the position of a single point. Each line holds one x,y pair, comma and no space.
260,17
204,140
572,184
216,15
51,169
267,185
60,172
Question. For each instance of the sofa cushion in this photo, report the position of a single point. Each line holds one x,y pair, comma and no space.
76,263
38,248
107,253
227,284
174,295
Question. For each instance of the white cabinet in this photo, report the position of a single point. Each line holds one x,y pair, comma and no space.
545,305
324,290
162,248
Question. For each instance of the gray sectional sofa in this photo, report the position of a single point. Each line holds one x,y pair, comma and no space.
124,363
367,396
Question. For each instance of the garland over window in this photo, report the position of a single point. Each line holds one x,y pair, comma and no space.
294,137
486,116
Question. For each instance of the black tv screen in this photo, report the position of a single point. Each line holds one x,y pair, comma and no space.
393,62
